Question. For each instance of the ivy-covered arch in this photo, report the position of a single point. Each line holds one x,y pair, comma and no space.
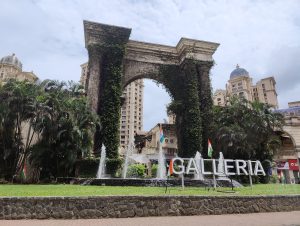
115,61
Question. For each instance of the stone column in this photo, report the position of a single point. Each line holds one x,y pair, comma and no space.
94,88
94,77
206,102
191,137
105,46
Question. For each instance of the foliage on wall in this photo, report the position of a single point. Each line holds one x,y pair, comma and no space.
110,104
183,83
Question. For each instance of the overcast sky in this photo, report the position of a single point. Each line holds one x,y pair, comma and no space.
261,36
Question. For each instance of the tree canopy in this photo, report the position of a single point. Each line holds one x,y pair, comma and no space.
246,130
60,127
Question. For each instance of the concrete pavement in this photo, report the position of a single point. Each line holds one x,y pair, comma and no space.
255,219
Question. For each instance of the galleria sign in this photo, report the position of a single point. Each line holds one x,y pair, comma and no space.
229,167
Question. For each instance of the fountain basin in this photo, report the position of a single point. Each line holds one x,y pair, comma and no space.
152,182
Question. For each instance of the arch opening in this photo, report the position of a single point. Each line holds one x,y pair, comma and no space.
287,162
144,111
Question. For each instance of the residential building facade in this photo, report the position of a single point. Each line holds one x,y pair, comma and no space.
84,74
132,111
150,141
240,85
11,68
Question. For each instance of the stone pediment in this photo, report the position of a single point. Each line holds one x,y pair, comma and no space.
97,33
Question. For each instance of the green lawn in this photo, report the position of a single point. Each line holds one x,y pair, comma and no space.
78,190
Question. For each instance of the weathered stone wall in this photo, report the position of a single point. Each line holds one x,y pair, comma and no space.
138,206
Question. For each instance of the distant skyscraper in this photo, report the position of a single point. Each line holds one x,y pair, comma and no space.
240,84
84,73
132,109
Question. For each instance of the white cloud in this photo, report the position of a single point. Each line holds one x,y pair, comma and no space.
47,35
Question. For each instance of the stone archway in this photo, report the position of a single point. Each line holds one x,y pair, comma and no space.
183,70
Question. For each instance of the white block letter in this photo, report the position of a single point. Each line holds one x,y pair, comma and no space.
180,166
259,170
191,167
250,170
240,167
227,166
202,167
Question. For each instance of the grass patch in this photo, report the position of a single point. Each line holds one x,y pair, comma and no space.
78,190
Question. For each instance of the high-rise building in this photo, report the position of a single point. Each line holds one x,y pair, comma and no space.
11,68
84,73
132,109
240,84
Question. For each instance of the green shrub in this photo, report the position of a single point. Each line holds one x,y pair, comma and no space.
136,170
274,179
87,168
154,170
113,165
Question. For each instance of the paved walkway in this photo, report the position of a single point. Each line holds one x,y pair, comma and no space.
261,219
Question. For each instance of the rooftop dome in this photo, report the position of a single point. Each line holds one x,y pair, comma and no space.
238,72
12,60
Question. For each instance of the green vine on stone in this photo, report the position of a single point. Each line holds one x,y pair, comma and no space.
110,104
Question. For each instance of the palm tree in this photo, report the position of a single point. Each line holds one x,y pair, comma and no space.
16,106
245,129
66,126
59,122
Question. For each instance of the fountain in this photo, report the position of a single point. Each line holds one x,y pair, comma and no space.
130,146
221,169
161,178
198,176
161,168
129,151
101,168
